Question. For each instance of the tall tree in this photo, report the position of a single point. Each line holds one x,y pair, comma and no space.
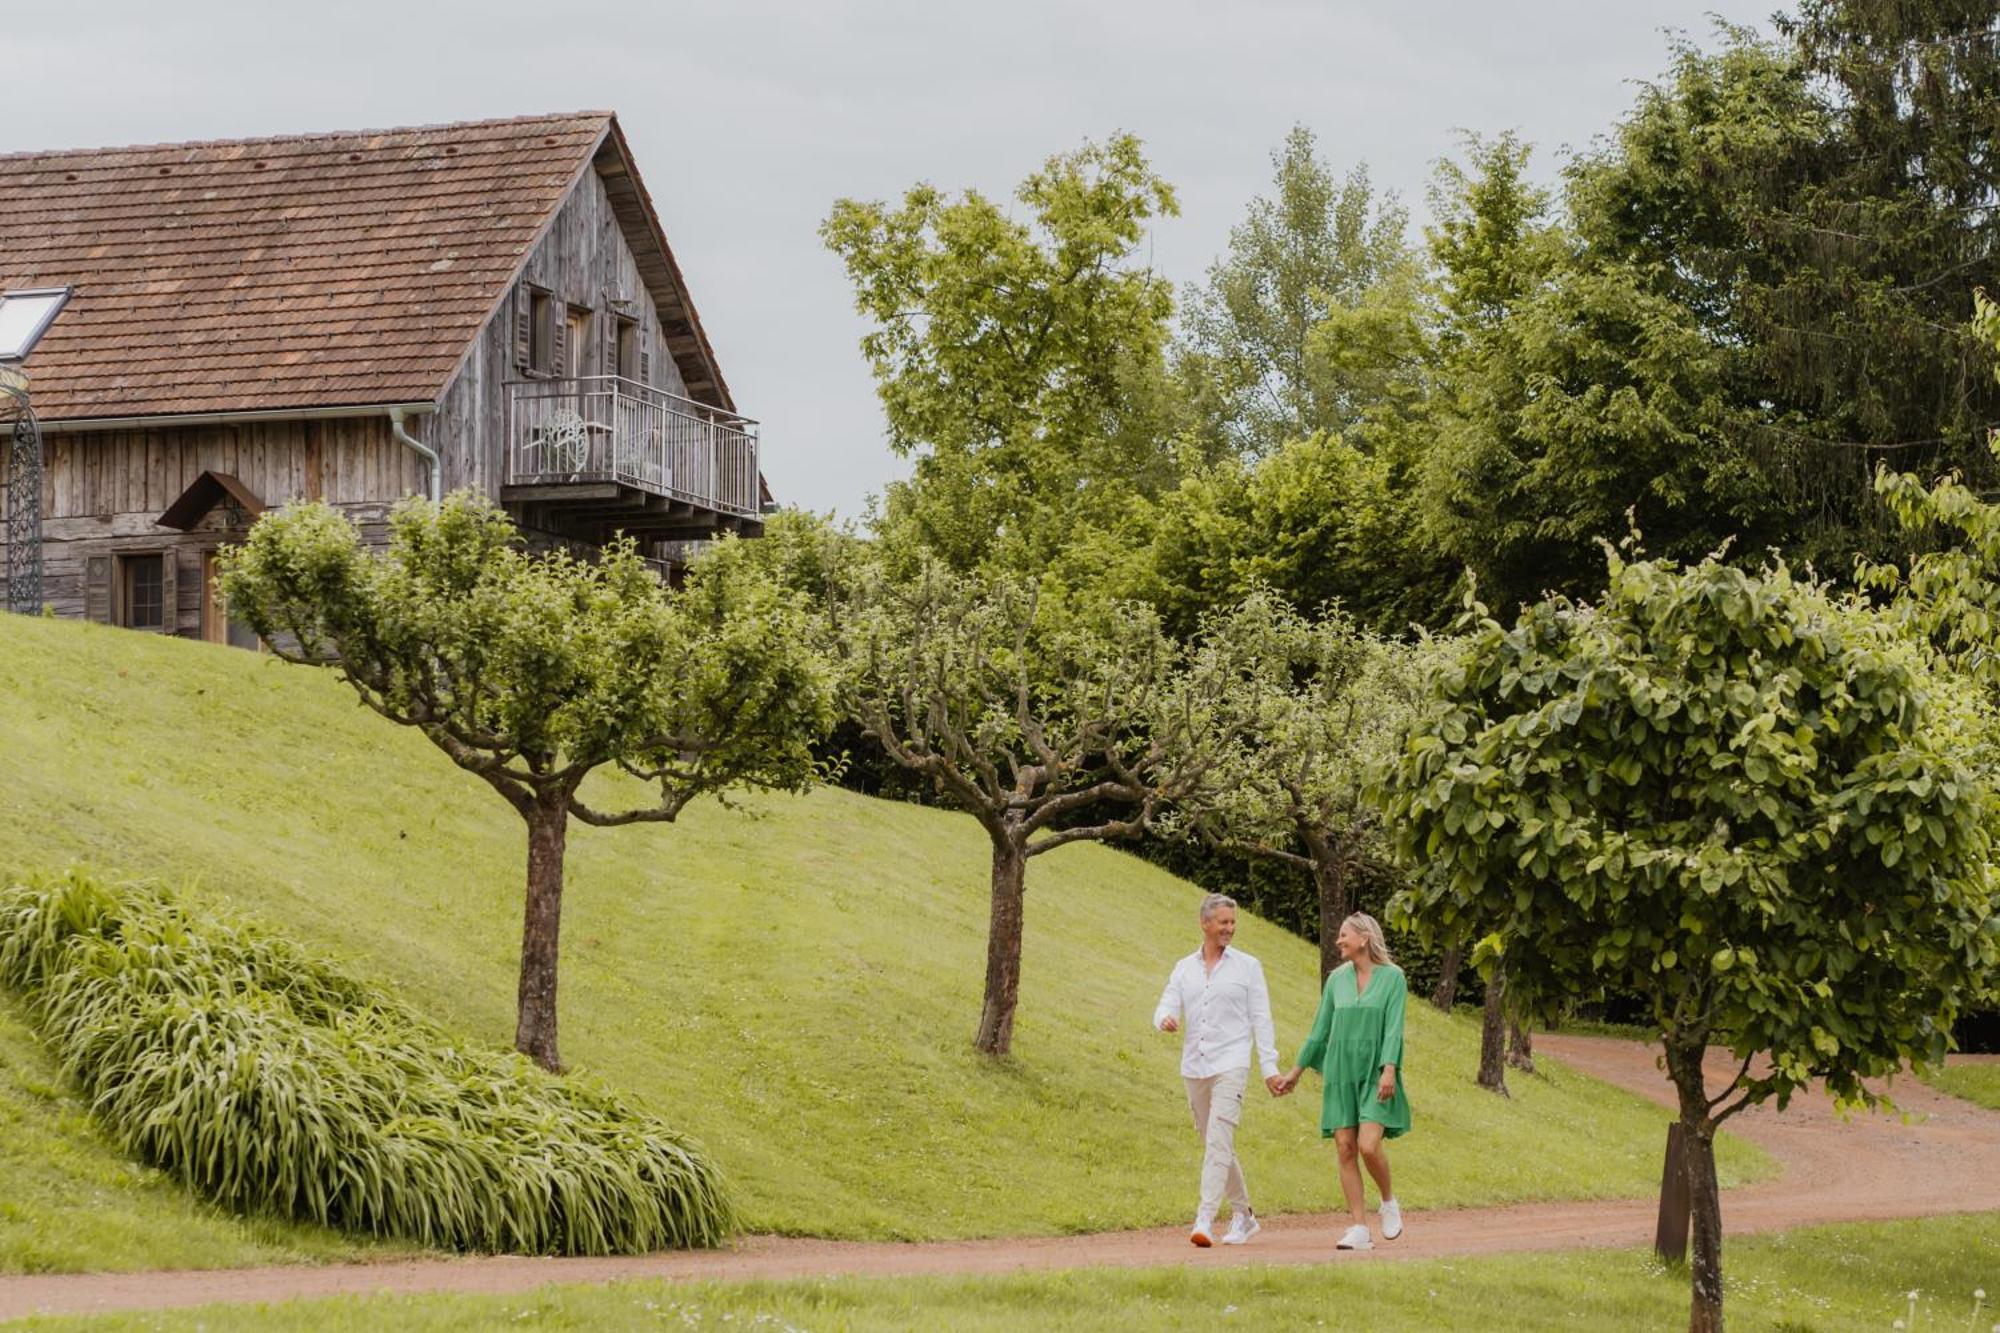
1252,355
1731,793
1046,725
1820,204
1492,248
534,672
1579,399
1020,361
1316,709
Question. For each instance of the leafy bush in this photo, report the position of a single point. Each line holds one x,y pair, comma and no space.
264,1079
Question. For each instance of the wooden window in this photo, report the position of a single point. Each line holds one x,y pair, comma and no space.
97,598
541,333
627,348
142,591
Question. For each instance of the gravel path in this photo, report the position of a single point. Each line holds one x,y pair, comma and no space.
1944,1159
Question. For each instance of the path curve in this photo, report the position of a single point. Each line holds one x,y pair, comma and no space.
1944,1159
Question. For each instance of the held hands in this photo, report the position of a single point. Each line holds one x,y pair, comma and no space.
1281,1084
1170,1024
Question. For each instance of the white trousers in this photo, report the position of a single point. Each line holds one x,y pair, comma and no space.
1217,1104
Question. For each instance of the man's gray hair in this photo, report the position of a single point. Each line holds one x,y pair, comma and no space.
1214,903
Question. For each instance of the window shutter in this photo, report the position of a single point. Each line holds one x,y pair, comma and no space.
645,356
524,302
559,347
170,611
608,365
97,589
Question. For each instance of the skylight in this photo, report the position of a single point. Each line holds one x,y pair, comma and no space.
25,317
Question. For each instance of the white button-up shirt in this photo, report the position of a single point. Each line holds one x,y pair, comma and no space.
1221,1013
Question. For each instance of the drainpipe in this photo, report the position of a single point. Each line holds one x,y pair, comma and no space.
429,454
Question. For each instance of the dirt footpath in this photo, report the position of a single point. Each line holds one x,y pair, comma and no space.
1865,1168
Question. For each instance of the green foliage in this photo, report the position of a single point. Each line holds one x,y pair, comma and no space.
73,1202
1314,709
1273,344
269,1082
1025,708
1732,793
1304,369
1323,520
1949,593
1575,399
1820,206
1490,240
1020,361
528,668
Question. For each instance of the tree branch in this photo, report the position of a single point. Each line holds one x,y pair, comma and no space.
1105,832
1731,1086
670,806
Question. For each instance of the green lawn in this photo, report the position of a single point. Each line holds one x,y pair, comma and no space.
796,986
1825,1278
69,1200
1975,1082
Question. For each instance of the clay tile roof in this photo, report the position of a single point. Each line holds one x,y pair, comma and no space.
314,270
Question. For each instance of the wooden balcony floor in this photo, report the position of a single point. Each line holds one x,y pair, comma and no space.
595,511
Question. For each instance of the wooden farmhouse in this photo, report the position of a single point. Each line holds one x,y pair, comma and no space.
358,318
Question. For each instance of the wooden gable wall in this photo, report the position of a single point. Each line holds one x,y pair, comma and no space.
583,259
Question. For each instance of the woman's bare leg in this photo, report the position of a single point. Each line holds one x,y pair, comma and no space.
1376,1157
1350,1174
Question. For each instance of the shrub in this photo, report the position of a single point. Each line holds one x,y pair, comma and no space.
266,1080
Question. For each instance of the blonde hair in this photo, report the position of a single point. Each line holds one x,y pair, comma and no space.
1370,930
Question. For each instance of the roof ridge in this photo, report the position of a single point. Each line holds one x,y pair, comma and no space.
537,119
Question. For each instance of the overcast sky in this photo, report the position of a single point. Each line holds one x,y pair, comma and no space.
749,119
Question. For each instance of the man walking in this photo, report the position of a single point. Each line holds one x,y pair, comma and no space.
1217,1000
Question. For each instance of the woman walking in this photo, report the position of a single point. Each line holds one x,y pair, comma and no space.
1357,1047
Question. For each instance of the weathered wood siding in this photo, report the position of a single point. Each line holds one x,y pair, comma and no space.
583,261
103,493
104,490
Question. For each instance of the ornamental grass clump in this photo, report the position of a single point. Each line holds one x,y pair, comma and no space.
267,1081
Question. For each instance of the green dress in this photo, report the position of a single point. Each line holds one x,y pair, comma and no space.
1355,1034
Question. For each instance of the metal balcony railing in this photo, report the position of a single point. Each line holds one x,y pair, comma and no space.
601,428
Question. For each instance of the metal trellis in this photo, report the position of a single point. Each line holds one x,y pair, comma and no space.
24,495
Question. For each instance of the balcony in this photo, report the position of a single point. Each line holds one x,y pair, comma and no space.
595,455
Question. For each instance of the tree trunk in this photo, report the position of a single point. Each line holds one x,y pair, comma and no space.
541,932
1520,1047
1493,1036
1704,1199
1003,949
1331,880
1446,993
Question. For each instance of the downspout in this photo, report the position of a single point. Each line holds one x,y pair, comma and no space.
429,454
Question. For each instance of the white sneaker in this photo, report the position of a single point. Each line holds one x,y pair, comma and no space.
1203,1234
1392,1219
1356,1238
1242,1227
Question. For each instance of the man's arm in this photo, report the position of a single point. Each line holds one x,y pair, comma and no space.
1167,1017
1261,1027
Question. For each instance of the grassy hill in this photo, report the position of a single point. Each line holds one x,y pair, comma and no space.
795,983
